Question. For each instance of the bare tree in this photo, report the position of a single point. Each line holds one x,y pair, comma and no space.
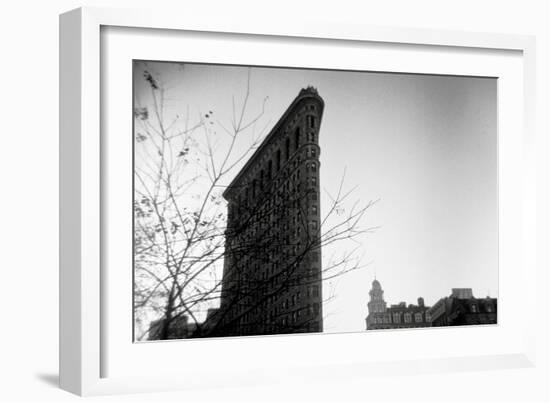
180,221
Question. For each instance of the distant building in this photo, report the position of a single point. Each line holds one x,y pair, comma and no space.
272,270
462,308
212,318
179,328
397,316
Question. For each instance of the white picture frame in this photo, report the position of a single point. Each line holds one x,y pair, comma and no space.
84,343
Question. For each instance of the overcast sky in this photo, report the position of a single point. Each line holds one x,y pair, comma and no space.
426,146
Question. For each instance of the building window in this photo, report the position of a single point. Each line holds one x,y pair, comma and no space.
311,121
313,167
278,160
418,317
315,290
269,169
313,209
408,318
428,317
312,137
287,148
313,153
316,309
297,138
474,308
313,224
262,179
396,317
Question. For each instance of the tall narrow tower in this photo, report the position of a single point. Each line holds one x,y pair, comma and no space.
376,304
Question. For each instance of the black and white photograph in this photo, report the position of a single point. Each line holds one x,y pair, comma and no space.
265,202
274,201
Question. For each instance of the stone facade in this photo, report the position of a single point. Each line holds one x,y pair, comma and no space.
397,316
272,270
462,308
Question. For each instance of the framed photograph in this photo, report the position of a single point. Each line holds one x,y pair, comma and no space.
246,201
